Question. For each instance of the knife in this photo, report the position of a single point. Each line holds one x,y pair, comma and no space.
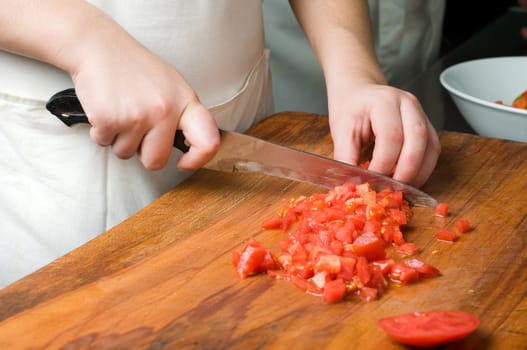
243,153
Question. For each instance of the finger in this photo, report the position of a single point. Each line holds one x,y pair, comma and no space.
102,136
429,162
156,145
348,140
389,138
128,143
416,139
201,132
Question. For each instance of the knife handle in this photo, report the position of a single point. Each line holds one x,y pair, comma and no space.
66,106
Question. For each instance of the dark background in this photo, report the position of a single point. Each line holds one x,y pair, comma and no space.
464,18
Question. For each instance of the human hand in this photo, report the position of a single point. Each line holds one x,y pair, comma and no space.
405,140
135,102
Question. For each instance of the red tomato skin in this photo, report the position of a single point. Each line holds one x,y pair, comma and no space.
409,249
363,270
250,260
347,268
446,235
334,291
403,274
272,223
369,246
368,293
424,269
385,266
441,210
329,263
429,328
462,225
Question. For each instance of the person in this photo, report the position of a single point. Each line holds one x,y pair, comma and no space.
407,36
143,70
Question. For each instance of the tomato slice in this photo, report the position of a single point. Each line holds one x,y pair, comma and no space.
430,328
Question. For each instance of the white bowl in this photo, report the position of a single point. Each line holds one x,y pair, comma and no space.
476,85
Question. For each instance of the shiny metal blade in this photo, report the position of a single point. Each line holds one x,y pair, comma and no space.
244,153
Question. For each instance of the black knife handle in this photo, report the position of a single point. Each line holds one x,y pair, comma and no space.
66,106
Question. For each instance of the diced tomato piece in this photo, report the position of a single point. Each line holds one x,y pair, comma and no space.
397,216
368,293
407,249
369,246
402,273
268,262
329,263
279,274
462,225
304,271
446,235
272,223
320,279
288,219
391,199
375,212
363,270
377,279
441,210
249,261
385,266
347,268
424,269
372,226
334,291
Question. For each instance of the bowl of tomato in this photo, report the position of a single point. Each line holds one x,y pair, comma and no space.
491,95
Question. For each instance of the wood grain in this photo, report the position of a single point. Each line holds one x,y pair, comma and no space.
163,278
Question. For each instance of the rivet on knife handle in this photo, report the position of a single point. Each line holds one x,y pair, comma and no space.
66,106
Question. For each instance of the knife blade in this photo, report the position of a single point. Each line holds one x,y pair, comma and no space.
243,153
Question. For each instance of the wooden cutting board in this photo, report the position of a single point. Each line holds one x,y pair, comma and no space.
164,279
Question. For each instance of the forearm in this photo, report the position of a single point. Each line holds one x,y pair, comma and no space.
59,32
339,32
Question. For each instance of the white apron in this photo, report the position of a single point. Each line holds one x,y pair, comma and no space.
59,189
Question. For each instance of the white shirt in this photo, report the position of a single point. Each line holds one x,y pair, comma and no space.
59,189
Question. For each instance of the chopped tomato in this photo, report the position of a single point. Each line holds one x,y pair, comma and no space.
407,249
441,210
369,246
368,294
403,273
253,259
462,225
272,223
385,266
430,328
446,235
335,244
424,269
334,291
329,263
